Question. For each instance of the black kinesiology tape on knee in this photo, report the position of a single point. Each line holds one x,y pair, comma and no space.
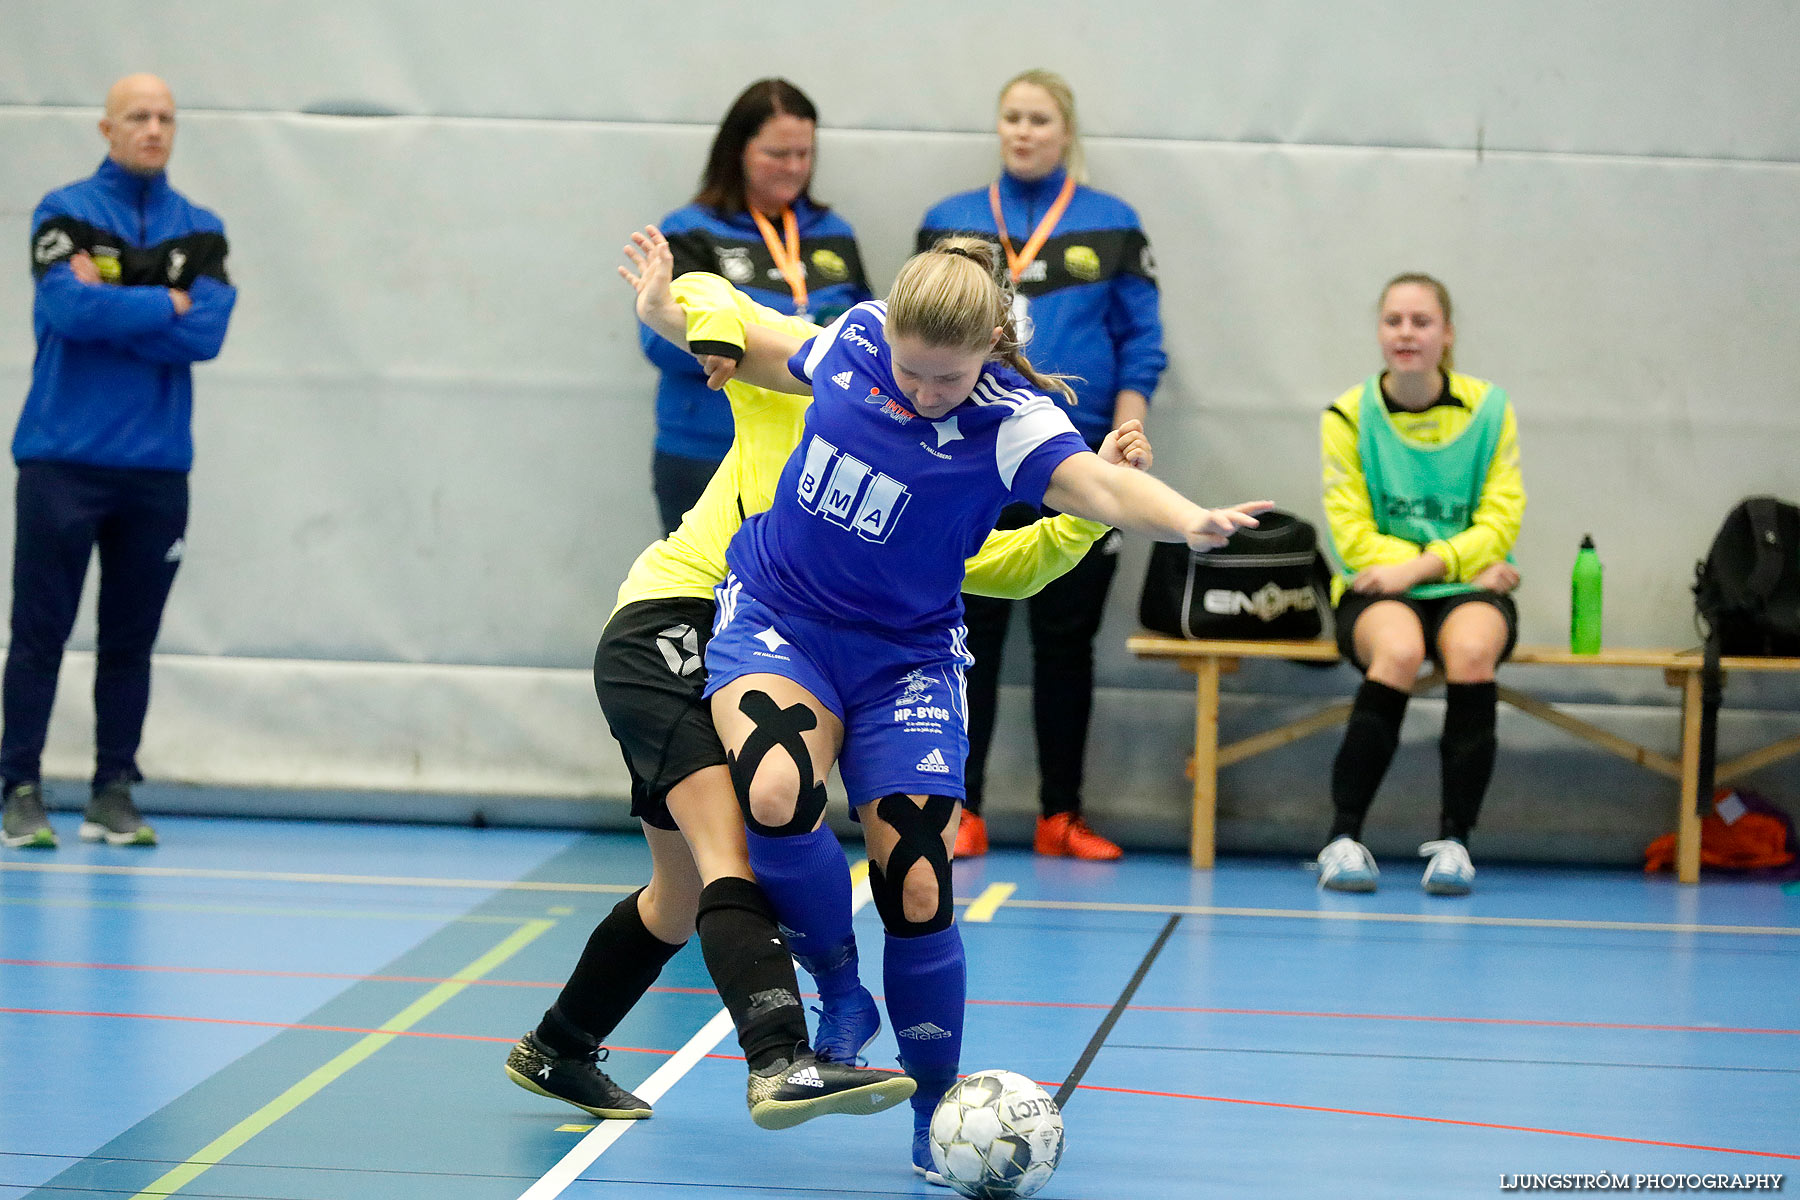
921,829
777,726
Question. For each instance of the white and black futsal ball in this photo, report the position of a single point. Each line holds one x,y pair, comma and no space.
996,1135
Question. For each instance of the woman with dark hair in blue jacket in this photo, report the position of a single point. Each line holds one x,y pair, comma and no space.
754,221
1087,304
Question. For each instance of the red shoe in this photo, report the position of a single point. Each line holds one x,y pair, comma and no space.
971,836
1066,835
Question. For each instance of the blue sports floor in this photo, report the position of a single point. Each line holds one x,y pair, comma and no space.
299,1010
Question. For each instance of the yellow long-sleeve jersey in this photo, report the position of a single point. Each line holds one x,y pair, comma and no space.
1494,526
1011,564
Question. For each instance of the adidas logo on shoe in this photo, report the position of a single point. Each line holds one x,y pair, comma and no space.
934,762
842,379
785,1093
924,1031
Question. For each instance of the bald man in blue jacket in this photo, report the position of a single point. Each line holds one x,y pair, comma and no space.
131,290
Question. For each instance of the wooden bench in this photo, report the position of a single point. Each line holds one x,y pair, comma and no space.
1209,659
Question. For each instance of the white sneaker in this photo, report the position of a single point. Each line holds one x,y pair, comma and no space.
1347,866
1449,873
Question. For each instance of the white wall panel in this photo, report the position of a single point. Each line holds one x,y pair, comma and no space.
427,440
1700,78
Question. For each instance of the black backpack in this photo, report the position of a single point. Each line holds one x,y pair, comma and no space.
1747,602
1747,591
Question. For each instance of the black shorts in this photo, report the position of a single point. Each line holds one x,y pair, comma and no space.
1431,614
649,671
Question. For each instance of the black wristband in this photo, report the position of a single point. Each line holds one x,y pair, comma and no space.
722,349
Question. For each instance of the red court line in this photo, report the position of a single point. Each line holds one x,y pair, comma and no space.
1356,1112
122,1016
1523,1022
1085,1087
407,1033
1421,1018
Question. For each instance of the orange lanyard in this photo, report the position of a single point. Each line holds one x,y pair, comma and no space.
787,258
1017,262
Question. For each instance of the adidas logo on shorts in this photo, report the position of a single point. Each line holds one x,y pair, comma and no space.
924,1031
842,379
934,762
808,1077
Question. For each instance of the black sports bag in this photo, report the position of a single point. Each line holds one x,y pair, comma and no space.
1747,601
1267,582
1747,591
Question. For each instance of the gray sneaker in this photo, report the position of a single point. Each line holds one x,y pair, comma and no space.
112,818
24,824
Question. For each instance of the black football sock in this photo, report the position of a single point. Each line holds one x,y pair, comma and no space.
1467,755
1370,739
751,967
620,962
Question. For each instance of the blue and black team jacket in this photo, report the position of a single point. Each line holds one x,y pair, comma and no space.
1091,295
111,385
692,421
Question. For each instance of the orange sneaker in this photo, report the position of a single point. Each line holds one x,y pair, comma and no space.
1066,835
971,836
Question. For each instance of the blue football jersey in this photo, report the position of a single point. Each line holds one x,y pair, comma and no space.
878,507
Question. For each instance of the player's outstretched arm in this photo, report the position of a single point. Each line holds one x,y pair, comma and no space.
766,350
1084,485
1015,563
651,271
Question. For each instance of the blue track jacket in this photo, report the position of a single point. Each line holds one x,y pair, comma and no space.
692,421
1091,297
111,385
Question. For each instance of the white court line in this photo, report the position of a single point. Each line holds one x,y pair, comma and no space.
598,1142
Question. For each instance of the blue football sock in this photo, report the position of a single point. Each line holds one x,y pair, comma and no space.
927,982
807,880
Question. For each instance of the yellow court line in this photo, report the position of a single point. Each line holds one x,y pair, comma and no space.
859,873
508,885
1308,914
984,906
234,1138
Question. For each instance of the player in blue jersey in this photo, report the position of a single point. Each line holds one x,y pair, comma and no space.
839,636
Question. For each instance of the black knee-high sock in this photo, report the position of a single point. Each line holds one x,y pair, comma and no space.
1370,738
752,969
620,962
1467,754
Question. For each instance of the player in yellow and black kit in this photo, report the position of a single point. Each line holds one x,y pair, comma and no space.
649,676
1424,500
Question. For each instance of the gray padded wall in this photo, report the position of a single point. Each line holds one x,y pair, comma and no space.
423,456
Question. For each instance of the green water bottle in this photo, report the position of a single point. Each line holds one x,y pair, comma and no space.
1584,600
